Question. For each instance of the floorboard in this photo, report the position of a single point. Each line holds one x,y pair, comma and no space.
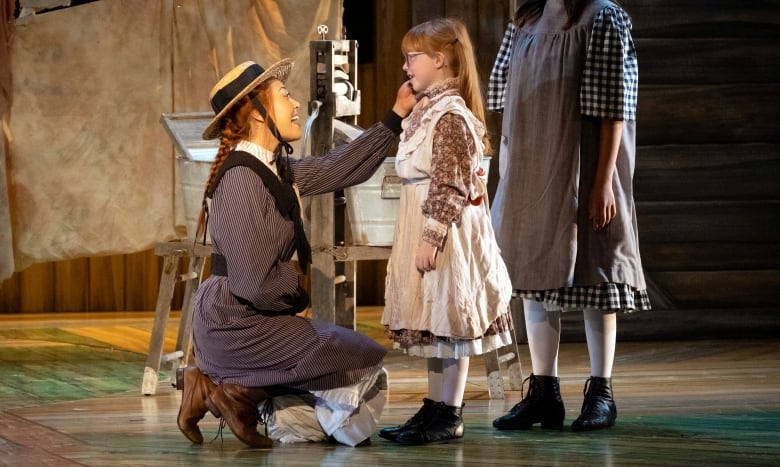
70,395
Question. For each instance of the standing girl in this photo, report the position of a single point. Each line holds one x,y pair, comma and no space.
447,289
566,77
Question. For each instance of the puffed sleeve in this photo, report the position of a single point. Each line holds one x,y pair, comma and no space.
499,75
611,73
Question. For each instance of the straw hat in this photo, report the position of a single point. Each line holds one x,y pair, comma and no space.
236,84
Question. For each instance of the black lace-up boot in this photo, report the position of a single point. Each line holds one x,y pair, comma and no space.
445,425
542,404
422,415
598,408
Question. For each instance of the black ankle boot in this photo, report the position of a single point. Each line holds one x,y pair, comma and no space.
422,415
444,426
542,404
598,408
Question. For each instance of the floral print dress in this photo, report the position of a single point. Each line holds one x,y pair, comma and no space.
462,307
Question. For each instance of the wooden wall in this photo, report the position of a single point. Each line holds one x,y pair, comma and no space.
106,283
708,164
707,179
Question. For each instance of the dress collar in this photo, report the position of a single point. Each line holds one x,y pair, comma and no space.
440,87
264,155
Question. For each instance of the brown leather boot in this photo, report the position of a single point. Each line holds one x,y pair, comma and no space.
238,406
195,392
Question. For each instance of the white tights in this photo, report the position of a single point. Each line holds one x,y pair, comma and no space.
544,334
447,379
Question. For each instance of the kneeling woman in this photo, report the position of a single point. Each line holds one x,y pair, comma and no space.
249,341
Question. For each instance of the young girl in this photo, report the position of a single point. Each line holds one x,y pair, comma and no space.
447,289
564,210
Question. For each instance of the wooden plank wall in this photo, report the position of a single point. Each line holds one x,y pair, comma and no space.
106,283
708,165
707,177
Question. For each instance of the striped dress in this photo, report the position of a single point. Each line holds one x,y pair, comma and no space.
235,344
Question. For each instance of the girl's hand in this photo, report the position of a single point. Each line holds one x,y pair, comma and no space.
601,206
425,259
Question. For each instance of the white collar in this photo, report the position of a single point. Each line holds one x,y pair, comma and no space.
264,155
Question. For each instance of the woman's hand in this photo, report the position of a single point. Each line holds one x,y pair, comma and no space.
601,206
405,99
425,259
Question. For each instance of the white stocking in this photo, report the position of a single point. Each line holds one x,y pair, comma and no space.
447,379
434,378
601,334
544,335
454,376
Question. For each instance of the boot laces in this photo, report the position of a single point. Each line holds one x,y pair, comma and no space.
592,393
523,394
222,424
266,412
586,390
522,388
422,413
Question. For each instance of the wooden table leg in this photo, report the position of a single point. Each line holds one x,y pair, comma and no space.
508,356
192,281
162,311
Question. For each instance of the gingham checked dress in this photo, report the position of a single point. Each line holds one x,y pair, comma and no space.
554,86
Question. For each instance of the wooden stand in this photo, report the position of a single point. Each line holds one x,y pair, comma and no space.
508,355
172,253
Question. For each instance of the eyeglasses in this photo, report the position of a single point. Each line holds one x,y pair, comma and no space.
410,56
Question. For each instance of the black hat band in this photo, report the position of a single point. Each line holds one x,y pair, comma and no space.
225,95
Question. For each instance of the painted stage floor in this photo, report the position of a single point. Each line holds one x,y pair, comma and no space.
70,395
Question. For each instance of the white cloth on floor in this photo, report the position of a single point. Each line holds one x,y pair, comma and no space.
351,414
291,418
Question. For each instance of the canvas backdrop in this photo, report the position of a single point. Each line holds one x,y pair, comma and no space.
90,169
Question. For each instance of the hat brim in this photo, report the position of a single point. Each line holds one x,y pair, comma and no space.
279,70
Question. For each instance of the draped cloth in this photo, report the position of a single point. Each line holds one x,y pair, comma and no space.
91,170
6,39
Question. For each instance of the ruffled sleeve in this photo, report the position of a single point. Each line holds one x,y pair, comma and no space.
611,73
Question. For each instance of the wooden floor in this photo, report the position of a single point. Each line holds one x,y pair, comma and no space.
70,395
